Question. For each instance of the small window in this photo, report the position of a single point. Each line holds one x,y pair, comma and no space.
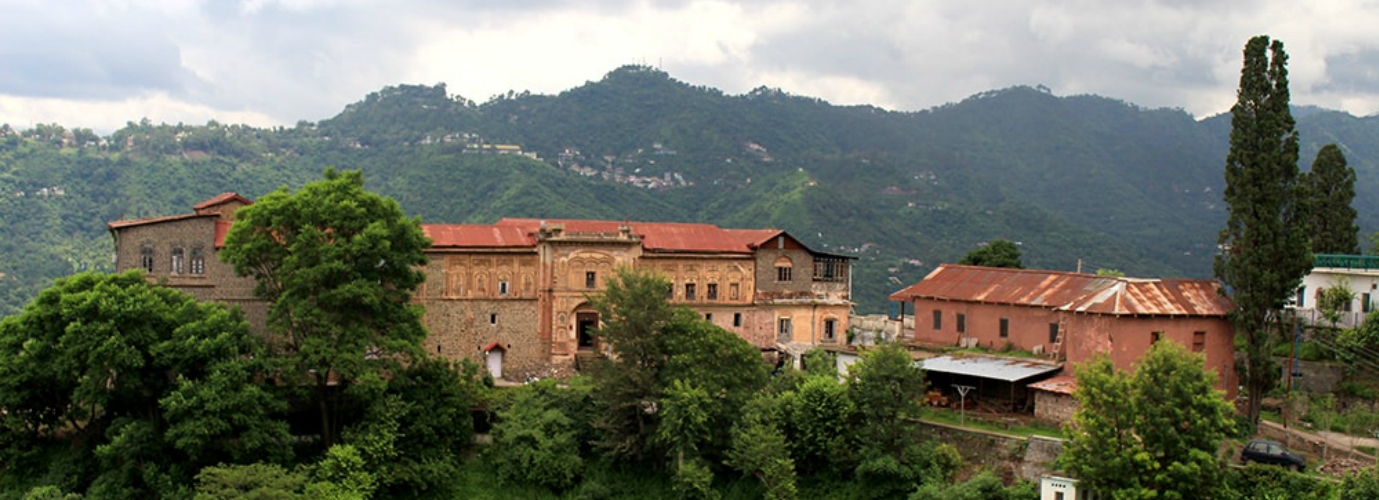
1053,333
689,291
1199,341
1365,305
711,292
938,319
783,273
1155,336
733,291
590,280
783,330
503,288
492,318
708,317
198,262
670,291
962,323
737,319
178,260
1005,327
146,259
1302,296
830,329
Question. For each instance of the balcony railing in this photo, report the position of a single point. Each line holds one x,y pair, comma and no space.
1363,262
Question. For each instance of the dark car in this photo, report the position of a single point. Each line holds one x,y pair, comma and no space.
1271,452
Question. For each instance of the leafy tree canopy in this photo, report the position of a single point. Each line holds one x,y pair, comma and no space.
999,253
1330,190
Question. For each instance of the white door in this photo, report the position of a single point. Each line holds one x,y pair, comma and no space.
495,363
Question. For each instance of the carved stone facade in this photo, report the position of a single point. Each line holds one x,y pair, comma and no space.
515,294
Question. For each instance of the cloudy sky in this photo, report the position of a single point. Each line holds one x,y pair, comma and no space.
101,63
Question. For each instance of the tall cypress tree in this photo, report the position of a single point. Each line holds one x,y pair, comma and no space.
1265,245
1330,190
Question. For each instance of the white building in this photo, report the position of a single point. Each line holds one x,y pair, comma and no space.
1062,488
1359,272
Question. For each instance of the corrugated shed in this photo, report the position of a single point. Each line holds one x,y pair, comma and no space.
477,236
1070,291
1007,369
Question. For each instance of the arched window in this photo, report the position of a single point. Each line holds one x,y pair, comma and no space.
146,258
784,269
178,260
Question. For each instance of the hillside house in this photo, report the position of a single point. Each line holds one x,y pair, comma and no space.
1071,317
514,294
1360,273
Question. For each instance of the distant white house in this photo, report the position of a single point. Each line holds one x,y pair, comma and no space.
1062,488
1361,272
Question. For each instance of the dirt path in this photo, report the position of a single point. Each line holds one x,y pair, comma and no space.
1311,442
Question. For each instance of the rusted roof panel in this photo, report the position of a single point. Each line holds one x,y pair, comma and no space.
1071,291
477,236
1062,384
990,367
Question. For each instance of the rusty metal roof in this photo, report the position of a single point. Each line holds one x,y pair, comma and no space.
1070,291
477,236
221,198
991,367
660,236
1062,384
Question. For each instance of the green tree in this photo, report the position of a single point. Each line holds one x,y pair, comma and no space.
656,344
1360,485
535,441
149,382
811,416
1264,247
1330,192
1335,300
983,486
885,388
1151,435
998,253
759,448
338,265
257,481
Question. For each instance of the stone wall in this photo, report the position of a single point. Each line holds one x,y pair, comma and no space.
1054,407
1007,456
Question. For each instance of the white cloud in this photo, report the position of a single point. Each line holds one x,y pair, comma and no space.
279,61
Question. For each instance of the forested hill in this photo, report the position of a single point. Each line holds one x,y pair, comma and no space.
1071,179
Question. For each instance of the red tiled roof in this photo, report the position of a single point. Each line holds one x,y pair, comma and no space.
221,198
477,236
154,220
1071,291
660,236
222,228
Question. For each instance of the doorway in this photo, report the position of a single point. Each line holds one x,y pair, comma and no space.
586,323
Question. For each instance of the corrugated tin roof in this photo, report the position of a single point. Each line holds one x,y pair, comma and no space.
660,236
1062,384
990,367
1071,291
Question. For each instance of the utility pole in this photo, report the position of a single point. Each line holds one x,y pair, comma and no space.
962,403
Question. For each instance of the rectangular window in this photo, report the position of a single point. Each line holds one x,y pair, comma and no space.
689,291
1005,327
1199,341
712,292
737,319
1053,333
783,273
177,261
1155,336
590,280
493,318
830,329
962,323
146,259
733,291
1302,296
503,288
938,319
708,317
198,261
1364,303
783,330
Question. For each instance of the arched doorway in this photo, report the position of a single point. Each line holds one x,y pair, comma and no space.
586,322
